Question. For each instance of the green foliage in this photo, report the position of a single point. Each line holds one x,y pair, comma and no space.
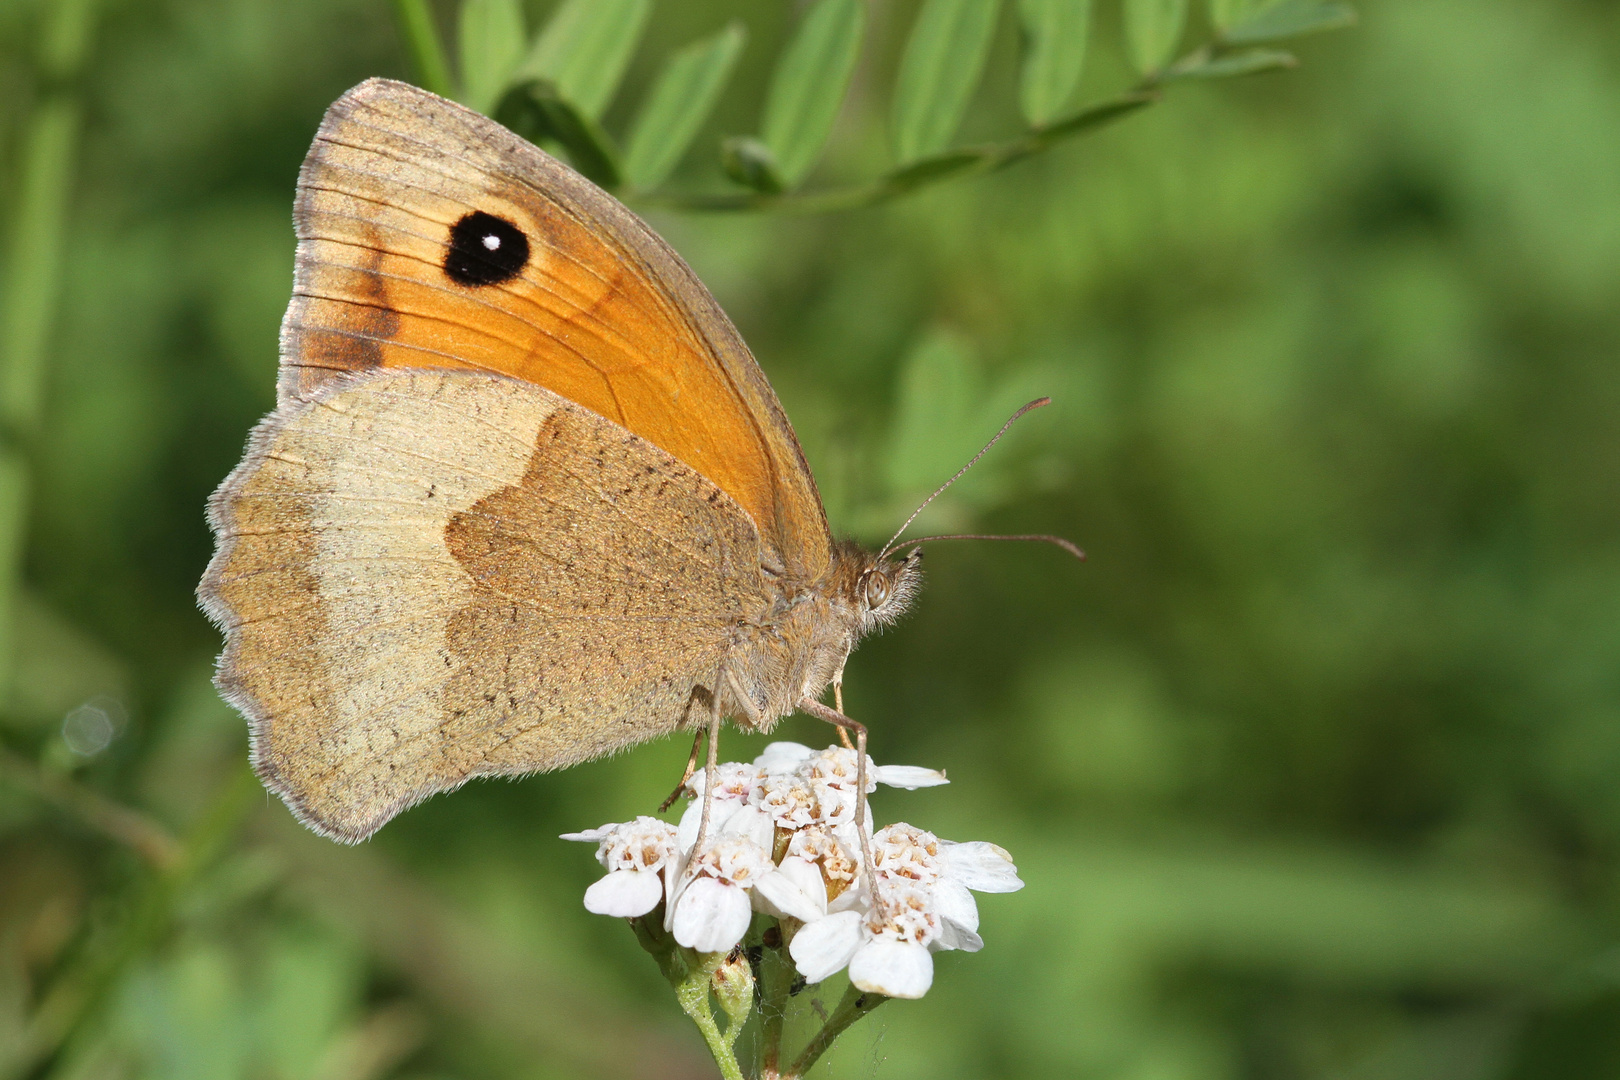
539,112
1289,18
491,36
584,50
1153,29
1227,65
809,84
1310,769
559,93
943,61
681,99
1057,33
421,38
750,163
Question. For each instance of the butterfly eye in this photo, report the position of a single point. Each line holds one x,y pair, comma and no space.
877,589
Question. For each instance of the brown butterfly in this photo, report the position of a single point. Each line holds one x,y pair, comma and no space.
526,498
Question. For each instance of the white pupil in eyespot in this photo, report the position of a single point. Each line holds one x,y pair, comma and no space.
492,242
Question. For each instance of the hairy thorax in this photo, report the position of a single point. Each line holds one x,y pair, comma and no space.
799,644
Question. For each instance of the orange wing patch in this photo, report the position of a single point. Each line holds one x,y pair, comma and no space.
598,310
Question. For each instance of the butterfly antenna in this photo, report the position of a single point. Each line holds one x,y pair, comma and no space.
1036,404
1044,538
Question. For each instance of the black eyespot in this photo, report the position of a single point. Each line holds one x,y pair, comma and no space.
485,250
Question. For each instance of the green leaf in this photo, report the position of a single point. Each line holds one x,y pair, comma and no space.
680,101
940,393
751,163
422,42
1055,32
585,48
1224,13
938,73
492,40
1248,62
1153,30
809,84
535,110
1290,18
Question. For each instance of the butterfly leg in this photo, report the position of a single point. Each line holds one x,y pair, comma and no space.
844,723
711,771
838,703
691,767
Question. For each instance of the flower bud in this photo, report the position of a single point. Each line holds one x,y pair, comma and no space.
733,985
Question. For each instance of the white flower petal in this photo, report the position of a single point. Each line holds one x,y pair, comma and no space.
625,894
590,836
901,969
752,823
806,875
795,888
674,881
952,936
686,831
847,835
955,905
980,866
854,898
720,813
909,777
783,757
710,915
677,881
821,948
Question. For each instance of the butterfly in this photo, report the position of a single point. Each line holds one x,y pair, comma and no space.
525,499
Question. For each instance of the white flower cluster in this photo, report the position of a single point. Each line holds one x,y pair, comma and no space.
782,840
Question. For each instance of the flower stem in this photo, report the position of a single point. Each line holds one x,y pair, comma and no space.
775,982
693,994
854,1005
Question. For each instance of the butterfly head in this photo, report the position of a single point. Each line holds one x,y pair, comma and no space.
884,589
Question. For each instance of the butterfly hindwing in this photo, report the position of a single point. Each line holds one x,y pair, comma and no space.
426,576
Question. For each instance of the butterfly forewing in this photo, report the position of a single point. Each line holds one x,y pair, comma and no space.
403,261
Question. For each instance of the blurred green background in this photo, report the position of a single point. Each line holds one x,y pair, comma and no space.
1313,771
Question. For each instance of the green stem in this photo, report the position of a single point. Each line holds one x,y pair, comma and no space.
126,825
425,46
693,994
13,536
32,282
776,980
71,1004
965,161
854,1005
33,279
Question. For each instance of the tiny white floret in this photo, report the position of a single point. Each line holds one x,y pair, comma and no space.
635,855
711,906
